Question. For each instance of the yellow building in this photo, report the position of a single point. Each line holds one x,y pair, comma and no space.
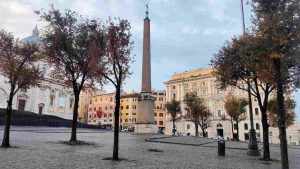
159,110
129,110
84,98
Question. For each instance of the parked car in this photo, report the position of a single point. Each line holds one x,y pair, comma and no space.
131,129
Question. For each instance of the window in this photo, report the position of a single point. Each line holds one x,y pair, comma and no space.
90,101
110,107
71,103
126,120
257,126
161,99
174,96
94,108
161,115
24,90
219,113
126,114
161,123
110,114
133,119
61,102
174,87
246,136
121,107
188,127
155,122
95,116
111,99
95,100
105,107
203,92
127,107
51,101
105,115
246,126
155,114
100,108
256,111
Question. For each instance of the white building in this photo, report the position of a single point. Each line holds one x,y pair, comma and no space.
205,85
51,97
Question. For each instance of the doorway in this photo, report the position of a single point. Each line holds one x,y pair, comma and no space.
220,131
21,105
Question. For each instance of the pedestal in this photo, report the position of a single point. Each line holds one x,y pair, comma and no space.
145,129
253,147
145,121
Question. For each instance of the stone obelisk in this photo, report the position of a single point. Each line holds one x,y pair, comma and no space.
145,120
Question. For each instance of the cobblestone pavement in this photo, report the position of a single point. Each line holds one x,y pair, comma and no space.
38,149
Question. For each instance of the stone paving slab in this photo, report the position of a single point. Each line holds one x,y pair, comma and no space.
41,151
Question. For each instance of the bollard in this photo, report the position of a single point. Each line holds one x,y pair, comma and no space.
221,148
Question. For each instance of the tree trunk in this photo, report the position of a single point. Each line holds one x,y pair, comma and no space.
264,119
281,115
173,131
75,116
265,125
196,129
116,131
203,132
5,141
237,131
231,121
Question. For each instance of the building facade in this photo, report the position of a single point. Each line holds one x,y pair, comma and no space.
101,109
203,83
159,109
51,97
129,110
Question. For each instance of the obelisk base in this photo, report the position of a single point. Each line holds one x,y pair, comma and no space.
145,129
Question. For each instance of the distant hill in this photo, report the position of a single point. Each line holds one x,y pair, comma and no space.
26,118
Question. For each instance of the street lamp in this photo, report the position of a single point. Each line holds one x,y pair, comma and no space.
252,147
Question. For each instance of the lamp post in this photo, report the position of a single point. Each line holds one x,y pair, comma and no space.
252,147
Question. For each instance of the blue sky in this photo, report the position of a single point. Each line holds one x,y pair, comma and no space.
184,33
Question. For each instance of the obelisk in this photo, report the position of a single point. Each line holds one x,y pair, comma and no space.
145,121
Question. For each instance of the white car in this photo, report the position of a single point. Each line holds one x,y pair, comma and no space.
217,137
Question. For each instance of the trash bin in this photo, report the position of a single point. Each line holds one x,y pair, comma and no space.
221,148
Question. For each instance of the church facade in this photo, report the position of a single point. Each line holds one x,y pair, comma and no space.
50,97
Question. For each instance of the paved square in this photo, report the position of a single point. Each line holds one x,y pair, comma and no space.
38,149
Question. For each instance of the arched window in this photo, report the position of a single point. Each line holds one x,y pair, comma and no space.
188,126
246,126
257,126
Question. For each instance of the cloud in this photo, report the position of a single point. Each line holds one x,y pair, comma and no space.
17,17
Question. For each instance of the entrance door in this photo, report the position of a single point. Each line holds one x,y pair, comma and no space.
21,105
220,132
40,110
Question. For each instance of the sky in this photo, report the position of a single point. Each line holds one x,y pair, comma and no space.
185,34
